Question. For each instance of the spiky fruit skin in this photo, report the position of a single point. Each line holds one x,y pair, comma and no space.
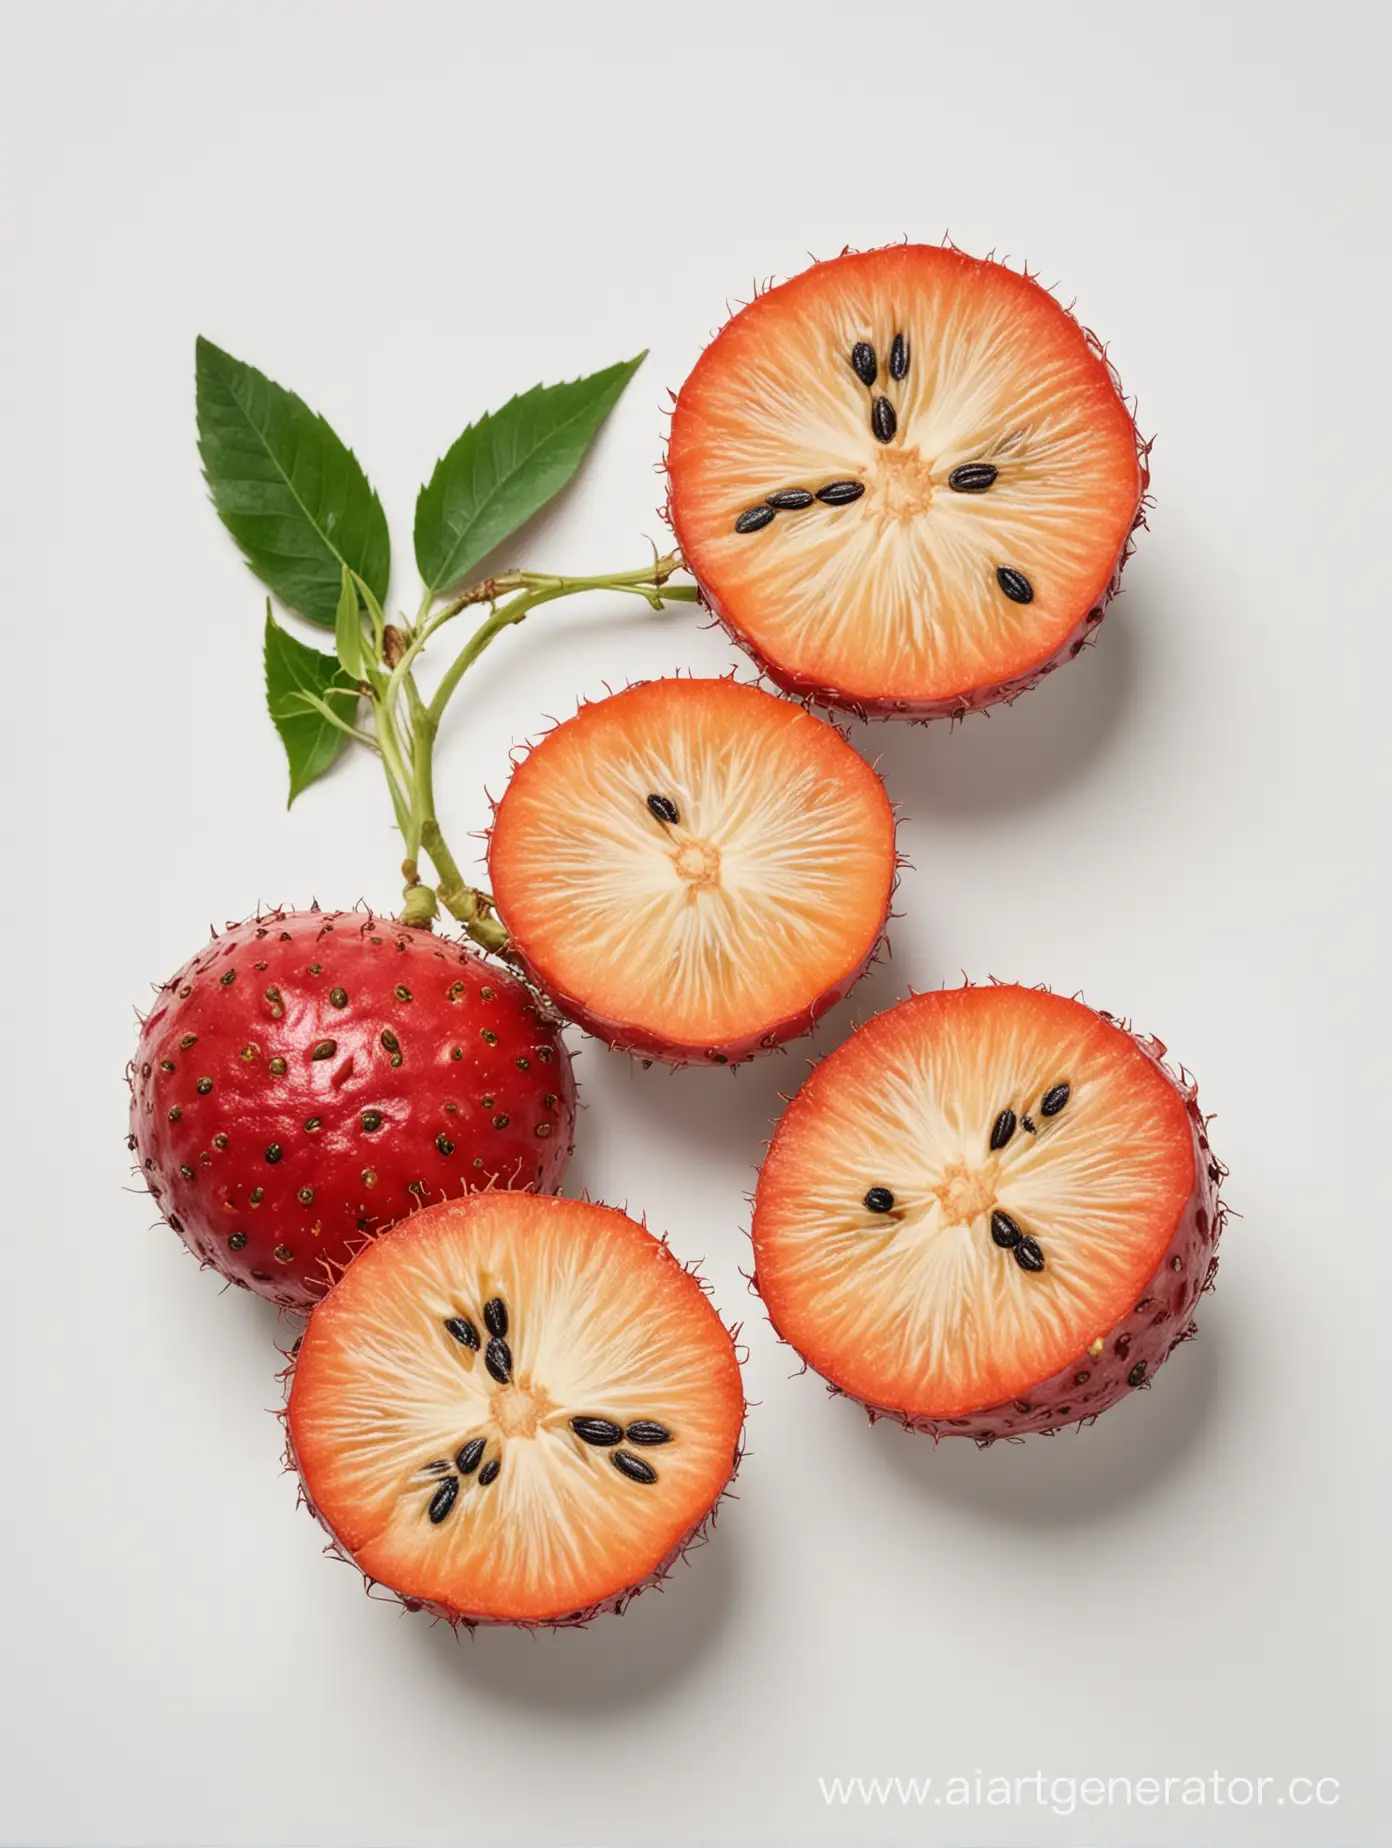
624,1036
696,1536
858,702
1139,1342
311,1076
976,699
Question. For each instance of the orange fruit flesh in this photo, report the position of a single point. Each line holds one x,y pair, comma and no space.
917,1309
602,1322
769,889
895,596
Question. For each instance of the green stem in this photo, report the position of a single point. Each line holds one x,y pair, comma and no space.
406,726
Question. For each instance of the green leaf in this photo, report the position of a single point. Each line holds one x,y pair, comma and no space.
295,672
505,468
348,635
291,495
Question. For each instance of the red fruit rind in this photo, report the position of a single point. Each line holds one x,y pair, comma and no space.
863,704
696,1535
310,1077
1126,1356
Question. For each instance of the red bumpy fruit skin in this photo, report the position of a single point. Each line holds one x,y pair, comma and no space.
311,1076
1161,1319
806,308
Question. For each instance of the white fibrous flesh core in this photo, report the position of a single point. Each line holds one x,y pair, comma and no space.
923,1293
583,1342
898,590
731,915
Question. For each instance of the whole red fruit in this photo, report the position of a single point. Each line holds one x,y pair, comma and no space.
311,1076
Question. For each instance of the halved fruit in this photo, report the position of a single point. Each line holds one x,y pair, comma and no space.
513,1409
694,869
991,1211
906,481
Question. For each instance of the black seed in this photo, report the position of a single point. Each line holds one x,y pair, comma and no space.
443,1500
1137,1374
371,1120
305,1196
273,1153
444,1145
186,1171
1054,1100
882,420
754,519
471,1456
166,1065
648,1431
602,1432
972,478
228,979
203,1086
220,1139
663,808
840,493
401,992
237,1240
313,1125
325,1049
189,1039
463,1330
1122,1346
256,1196
390,1041
1028,1255
488,1036
501,1121
497,1357
1003,1128
1027,1123
523,1065
276,1068
283,1255
495,1316
176,1115
489,1472
1015,584
633,1467
790,500
863,362
316,968
338,997
1005,1231
898,357
879,1200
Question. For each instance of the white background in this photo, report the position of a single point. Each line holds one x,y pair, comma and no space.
407,213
